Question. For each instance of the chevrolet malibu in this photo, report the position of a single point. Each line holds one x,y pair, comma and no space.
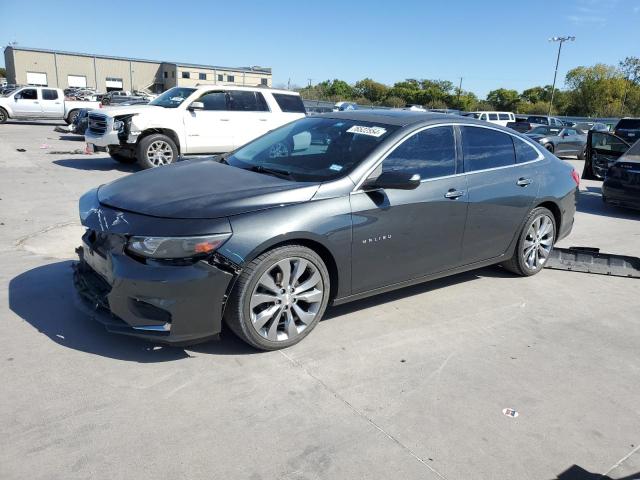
324,210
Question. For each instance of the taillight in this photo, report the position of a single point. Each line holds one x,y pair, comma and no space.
576,177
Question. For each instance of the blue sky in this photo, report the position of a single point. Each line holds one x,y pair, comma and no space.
491,44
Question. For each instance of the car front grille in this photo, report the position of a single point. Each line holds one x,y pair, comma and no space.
97,123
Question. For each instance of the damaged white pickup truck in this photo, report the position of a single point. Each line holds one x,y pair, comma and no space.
185,121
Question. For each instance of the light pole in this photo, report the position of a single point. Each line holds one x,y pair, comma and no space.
561,40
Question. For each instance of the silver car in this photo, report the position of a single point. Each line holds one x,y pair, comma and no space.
560,141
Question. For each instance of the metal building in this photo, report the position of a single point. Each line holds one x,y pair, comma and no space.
53,68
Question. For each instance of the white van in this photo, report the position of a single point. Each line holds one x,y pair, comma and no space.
499,118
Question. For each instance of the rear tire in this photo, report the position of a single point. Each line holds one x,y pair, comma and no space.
279,298
4,116
583,154
156,150
534,243
71,117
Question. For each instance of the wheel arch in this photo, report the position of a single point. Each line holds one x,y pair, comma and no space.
555,210
311,243
164,131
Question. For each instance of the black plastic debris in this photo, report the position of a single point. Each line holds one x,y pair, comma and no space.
591,260
20,150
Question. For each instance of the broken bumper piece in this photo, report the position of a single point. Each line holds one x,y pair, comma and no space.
590,260
175,305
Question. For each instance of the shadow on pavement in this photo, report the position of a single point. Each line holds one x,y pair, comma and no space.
43,122
380,299
74,138
590,201
576,472
44,297
100,163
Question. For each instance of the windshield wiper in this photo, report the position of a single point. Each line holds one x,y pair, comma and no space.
276,172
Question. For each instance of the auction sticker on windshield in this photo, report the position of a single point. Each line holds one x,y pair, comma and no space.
371,131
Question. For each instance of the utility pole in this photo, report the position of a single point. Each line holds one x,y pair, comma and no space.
289,84
459,91
310,79
561,40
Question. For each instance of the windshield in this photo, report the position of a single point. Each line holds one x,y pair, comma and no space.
537,119
173,97
545,131
472,114
312,149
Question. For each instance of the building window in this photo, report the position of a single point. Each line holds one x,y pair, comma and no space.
166,74
186,75
231,78
264,81
220,77
173,74
202,76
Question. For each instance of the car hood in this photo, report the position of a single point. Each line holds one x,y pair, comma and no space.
536,136
201,188
117,110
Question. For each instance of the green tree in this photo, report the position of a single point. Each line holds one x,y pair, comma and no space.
370,89
504,99
596,90
3,72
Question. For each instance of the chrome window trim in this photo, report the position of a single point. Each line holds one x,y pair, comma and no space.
369,171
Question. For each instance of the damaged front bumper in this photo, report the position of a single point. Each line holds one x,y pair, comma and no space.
171,304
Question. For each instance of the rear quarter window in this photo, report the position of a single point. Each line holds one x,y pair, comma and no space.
289,103
504,116
524,151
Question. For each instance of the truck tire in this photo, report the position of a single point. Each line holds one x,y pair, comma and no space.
71,117
156,150
4,116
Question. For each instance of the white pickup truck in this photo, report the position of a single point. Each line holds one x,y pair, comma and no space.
184,121
41,103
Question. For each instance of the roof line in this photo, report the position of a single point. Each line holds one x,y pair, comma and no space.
130,59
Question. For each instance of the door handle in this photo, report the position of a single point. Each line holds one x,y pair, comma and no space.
224,119
36,102
523,182
453,194
263,119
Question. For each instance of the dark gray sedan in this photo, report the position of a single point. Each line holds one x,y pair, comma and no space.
560,141
267,237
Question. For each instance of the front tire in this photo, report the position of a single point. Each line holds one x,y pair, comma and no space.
4,116
549,147
583,154
156,150
534,244
279,298
120,157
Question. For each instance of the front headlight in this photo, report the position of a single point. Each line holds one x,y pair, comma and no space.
176,247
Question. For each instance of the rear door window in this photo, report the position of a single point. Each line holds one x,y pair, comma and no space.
243,101
49,94
606,142
430,153
485,148
504,116
493,116
289,103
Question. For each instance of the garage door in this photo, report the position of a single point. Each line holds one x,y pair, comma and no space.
114,82
34,78
77,81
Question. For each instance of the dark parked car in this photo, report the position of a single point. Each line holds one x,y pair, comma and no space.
266,237
560,140
586,126
81,121
611,158
628,129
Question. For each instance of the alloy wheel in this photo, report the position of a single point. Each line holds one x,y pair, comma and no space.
160,153
286,299
3,116
538,242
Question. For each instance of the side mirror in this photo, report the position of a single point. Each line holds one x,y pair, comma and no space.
394,180
196,106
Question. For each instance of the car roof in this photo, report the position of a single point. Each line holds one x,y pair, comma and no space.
203,86
393,117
